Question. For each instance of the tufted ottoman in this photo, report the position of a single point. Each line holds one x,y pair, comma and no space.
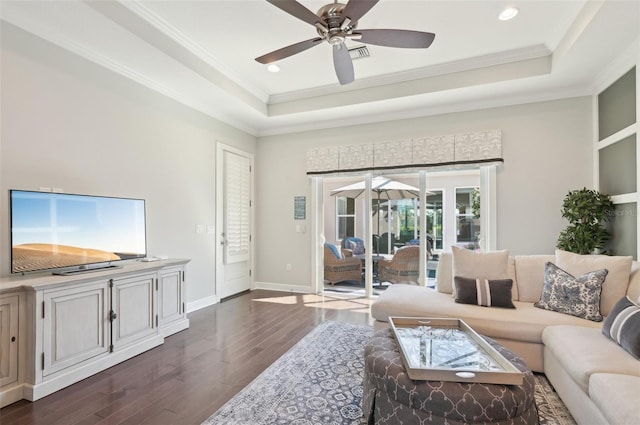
390,397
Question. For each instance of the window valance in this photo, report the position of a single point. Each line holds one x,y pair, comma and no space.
464,149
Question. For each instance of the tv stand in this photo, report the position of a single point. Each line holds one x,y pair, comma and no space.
63,329
86,269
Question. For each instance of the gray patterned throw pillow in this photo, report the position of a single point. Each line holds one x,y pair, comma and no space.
577,296
623,326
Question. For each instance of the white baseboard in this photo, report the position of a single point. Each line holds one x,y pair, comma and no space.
209,301
202,303
11,395
283,287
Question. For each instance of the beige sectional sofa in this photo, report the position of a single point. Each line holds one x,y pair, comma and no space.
596,378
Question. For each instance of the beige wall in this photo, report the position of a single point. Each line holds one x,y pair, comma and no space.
69,124
547,150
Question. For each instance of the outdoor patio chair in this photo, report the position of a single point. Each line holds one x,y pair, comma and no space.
337,269
429,244
348,244
403,267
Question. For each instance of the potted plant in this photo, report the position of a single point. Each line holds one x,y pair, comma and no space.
587,211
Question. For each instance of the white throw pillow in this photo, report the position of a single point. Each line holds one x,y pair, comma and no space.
617,281
480,265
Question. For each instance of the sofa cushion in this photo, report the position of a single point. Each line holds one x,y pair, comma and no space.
524,323
623,326
444,273
617,282
480,265
613,394
634,282
484,292
577,296
584,351
511,274
530,276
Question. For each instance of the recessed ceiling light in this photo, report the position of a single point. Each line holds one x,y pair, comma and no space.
273,67
508,13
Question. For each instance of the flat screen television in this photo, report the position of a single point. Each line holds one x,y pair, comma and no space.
71,233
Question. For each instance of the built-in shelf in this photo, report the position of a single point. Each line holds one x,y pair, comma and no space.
617,160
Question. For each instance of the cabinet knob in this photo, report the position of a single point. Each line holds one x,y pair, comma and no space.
13,339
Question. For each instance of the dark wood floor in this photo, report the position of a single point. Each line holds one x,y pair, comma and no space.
197,370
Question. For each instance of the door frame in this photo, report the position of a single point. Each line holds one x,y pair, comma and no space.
488,208
219,252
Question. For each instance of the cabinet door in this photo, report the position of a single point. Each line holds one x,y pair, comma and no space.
8,339
75,325
170,297
132,305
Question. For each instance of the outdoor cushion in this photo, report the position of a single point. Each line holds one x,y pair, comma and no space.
357,246
334,249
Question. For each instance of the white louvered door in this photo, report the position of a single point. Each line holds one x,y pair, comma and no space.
234,223
237,204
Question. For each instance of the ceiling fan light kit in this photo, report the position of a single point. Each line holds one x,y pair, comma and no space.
272,67
508,13
337,22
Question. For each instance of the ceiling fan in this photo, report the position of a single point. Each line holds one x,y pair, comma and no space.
336,22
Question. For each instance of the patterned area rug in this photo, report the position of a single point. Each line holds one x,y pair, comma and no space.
551,409
319,382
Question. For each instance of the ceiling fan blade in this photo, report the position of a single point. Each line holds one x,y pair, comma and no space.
396,38
294,8
342,63
291,50
355,9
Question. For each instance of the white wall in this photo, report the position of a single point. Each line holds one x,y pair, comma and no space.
547,151
70,124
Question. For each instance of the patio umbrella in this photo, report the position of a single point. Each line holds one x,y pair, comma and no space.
384,188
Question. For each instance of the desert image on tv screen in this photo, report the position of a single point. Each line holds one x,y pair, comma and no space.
53,230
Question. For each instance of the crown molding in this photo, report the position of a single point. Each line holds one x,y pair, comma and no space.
577,28
623,62
442,82
62,41
511,56
189,44
412,113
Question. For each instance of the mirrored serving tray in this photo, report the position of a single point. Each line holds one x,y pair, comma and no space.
440,349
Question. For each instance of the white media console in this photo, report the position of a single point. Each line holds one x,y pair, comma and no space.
58,330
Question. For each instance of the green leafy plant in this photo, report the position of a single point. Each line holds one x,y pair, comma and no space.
475,202
587,212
